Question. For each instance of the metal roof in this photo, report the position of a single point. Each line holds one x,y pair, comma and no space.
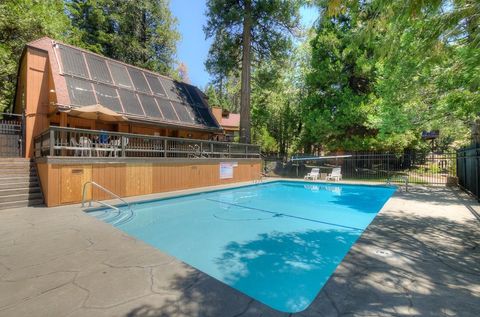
132,91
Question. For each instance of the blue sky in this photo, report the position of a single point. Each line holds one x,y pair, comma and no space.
192,49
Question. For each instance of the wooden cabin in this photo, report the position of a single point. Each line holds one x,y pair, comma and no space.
160,138
229,122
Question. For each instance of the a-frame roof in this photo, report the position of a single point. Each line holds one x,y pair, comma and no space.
84,78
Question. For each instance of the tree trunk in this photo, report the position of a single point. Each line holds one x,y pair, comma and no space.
246,74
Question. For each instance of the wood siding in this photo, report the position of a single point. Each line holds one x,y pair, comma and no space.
36,96
62,183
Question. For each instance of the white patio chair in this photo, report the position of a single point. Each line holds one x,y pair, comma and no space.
313,175
76,145
85,143
335,175
117,145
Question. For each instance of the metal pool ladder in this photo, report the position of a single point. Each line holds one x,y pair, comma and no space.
101,202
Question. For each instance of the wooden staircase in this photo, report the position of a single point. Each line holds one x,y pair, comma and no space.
19,183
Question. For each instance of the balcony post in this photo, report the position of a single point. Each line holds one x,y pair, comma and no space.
52,142
122,144
165,143
246,151
211,148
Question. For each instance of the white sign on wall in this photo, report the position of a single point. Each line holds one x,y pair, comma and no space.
226,170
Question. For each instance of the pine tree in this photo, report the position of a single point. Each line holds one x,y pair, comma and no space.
246,31
139,32
22,21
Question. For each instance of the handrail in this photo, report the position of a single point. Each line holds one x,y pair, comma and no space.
145,136
102,203
64,141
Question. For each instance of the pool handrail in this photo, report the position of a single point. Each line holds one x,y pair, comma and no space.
100,202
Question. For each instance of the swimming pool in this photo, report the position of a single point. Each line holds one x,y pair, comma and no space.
277,242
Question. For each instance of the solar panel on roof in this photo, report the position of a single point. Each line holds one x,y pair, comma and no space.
197,118
182,112
150,106
73,62
154,83
80,92
107,96
174,90
98,69
130,102
120,75
207,117
167,109
138,80
194,94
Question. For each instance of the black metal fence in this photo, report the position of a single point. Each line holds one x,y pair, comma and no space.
11,135
415,167
468,169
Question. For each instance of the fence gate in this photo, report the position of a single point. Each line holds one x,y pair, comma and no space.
468,169
11,135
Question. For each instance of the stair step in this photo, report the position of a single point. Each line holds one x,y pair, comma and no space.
19,191
13,173
14,159
18,184
17,164
25,163
17,178
21,203
20,197
16,170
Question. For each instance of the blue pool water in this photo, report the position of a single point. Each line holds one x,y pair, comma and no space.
277,242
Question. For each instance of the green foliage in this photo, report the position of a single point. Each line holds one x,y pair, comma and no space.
22,22
225,93
383,71
140,33
275,108
267,143
250,32
272,24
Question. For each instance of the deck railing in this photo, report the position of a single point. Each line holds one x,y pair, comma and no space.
61,141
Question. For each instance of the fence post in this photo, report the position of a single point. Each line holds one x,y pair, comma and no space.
388,165
22,136
122,144
477,166
246,151
52,142
457,161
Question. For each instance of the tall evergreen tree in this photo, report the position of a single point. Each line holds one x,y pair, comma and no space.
22,21
142,32
93,23
246,31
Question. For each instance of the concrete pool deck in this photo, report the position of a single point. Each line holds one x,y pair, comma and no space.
419,257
